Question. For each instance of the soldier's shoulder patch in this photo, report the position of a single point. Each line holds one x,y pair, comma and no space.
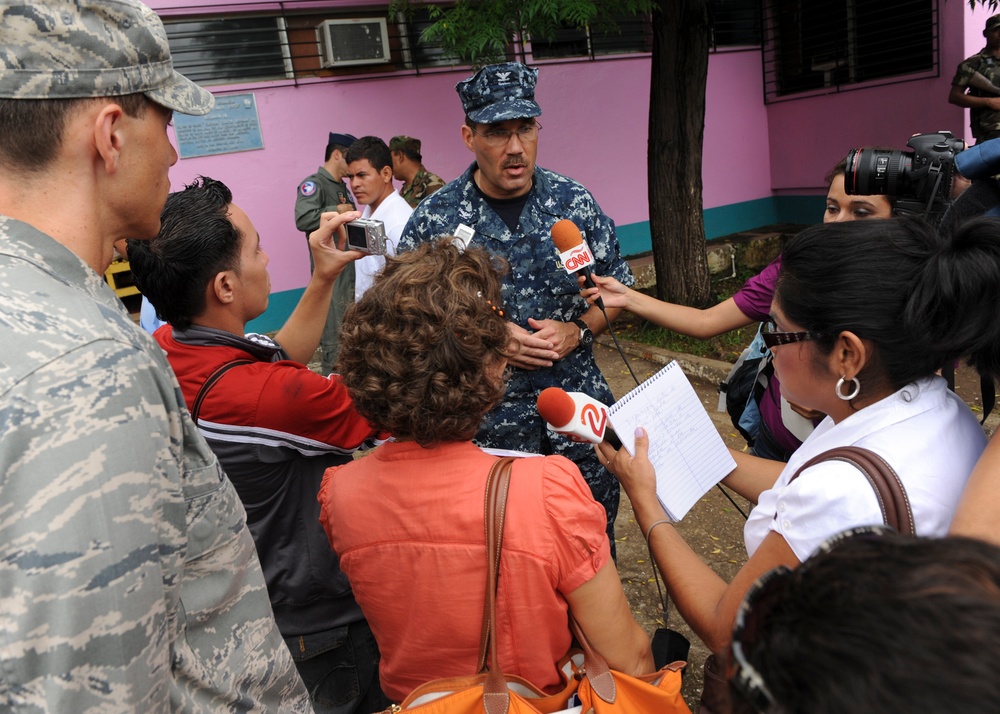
307,188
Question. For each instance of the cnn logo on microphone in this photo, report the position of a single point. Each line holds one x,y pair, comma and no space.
576,258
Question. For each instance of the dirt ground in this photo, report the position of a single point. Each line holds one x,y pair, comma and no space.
713,528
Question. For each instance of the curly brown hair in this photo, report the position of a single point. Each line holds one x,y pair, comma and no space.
422,352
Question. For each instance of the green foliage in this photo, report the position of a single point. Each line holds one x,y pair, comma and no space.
991,4
480,31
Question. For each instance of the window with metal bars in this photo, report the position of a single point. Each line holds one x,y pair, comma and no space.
812,46
624,35
735,23
285,45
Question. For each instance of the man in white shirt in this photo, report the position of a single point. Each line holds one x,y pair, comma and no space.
369,172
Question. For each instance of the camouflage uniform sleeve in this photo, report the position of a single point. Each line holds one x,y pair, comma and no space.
128,578
418,229
90,553
963,75
434,183
599,232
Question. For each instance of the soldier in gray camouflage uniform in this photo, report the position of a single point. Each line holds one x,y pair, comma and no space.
128,579
512,205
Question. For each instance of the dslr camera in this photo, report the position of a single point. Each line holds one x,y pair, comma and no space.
920,180
366,235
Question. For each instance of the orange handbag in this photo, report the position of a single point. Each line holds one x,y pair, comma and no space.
489,690
604,691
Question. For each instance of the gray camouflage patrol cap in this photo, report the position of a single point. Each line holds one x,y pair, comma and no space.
68,49
499,92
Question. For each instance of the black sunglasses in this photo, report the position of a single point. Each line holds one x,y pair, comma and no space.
772,337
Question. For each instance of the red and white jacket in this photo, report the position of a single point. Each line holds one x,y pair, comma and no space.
276,426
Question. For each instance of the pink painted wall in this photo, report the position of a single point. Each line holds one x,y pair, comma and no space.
807,136
595,117
735,163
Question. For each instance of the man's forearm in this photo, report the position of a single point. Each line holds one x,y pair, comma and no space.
301,333
595,319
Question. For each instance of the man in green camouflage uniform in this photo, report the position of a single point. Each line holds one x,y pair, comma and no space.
512,204
325,191
977,85
408,167
128,579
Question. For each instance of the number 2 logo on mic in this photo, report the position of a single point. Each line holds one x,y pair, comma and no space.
595,418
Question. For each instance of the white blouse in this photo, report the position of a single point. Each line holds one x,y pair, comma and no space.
924,431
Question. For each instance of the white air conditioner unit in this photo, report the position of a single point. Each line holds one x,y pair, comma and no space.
363,40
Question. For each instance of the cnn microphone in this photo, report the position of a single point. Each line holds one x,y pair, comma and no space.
576,416
574,253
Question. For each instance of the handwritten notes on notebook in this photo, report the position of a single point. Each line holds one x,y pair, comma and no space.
684,446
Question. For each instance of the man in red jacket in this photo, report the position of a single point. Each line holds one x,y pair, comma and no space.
275,425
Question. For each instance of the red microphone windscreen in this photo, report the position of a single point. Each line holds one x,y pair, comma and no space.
566,235
556,407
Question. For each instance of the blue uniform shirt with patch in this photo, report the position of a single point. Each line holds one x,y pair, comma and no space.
537,286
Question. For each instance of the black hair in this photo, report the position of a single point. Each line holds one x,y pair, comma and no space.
923,301
330,148
196,242
371,148
893,624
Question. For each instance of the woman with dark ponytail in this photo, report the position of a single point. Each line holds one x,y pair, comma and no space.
978,512
864,315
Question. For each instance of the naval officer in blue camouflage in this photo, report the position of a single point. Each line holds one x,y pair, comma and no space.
128,579
512,204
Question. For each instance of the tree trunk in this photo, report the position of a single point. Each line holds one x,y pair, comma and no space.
676,130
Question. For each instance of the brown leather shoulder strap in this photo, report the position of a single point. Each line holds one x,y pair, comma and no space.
496,696
889,490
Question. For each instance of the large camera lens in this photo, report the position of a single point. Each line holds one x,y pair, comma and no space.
877,172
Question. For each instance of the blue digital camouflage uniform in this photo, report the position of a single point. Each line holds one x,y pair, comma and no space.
128,579
537,286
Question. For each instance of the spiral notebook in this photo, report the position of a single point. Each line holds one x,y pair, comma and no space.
684,446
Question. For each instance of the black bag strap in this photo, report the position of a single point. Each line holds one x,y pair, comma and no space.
889,490
210,382
989,392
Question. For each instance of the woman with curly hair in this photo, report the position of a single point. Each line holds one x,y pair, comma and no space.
424,356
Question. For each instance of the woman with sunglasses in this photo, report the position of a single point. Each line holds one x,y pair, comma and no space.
864,315
772,437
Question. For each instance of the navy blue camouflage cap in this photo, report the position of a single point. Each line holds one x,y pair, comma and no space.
71,49
499,92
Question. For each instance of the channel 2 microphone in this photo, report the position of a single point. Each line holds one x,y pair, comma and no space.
574,253
576,416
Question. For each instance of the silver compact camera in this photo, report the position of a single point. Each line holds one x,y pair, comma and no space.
366,235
